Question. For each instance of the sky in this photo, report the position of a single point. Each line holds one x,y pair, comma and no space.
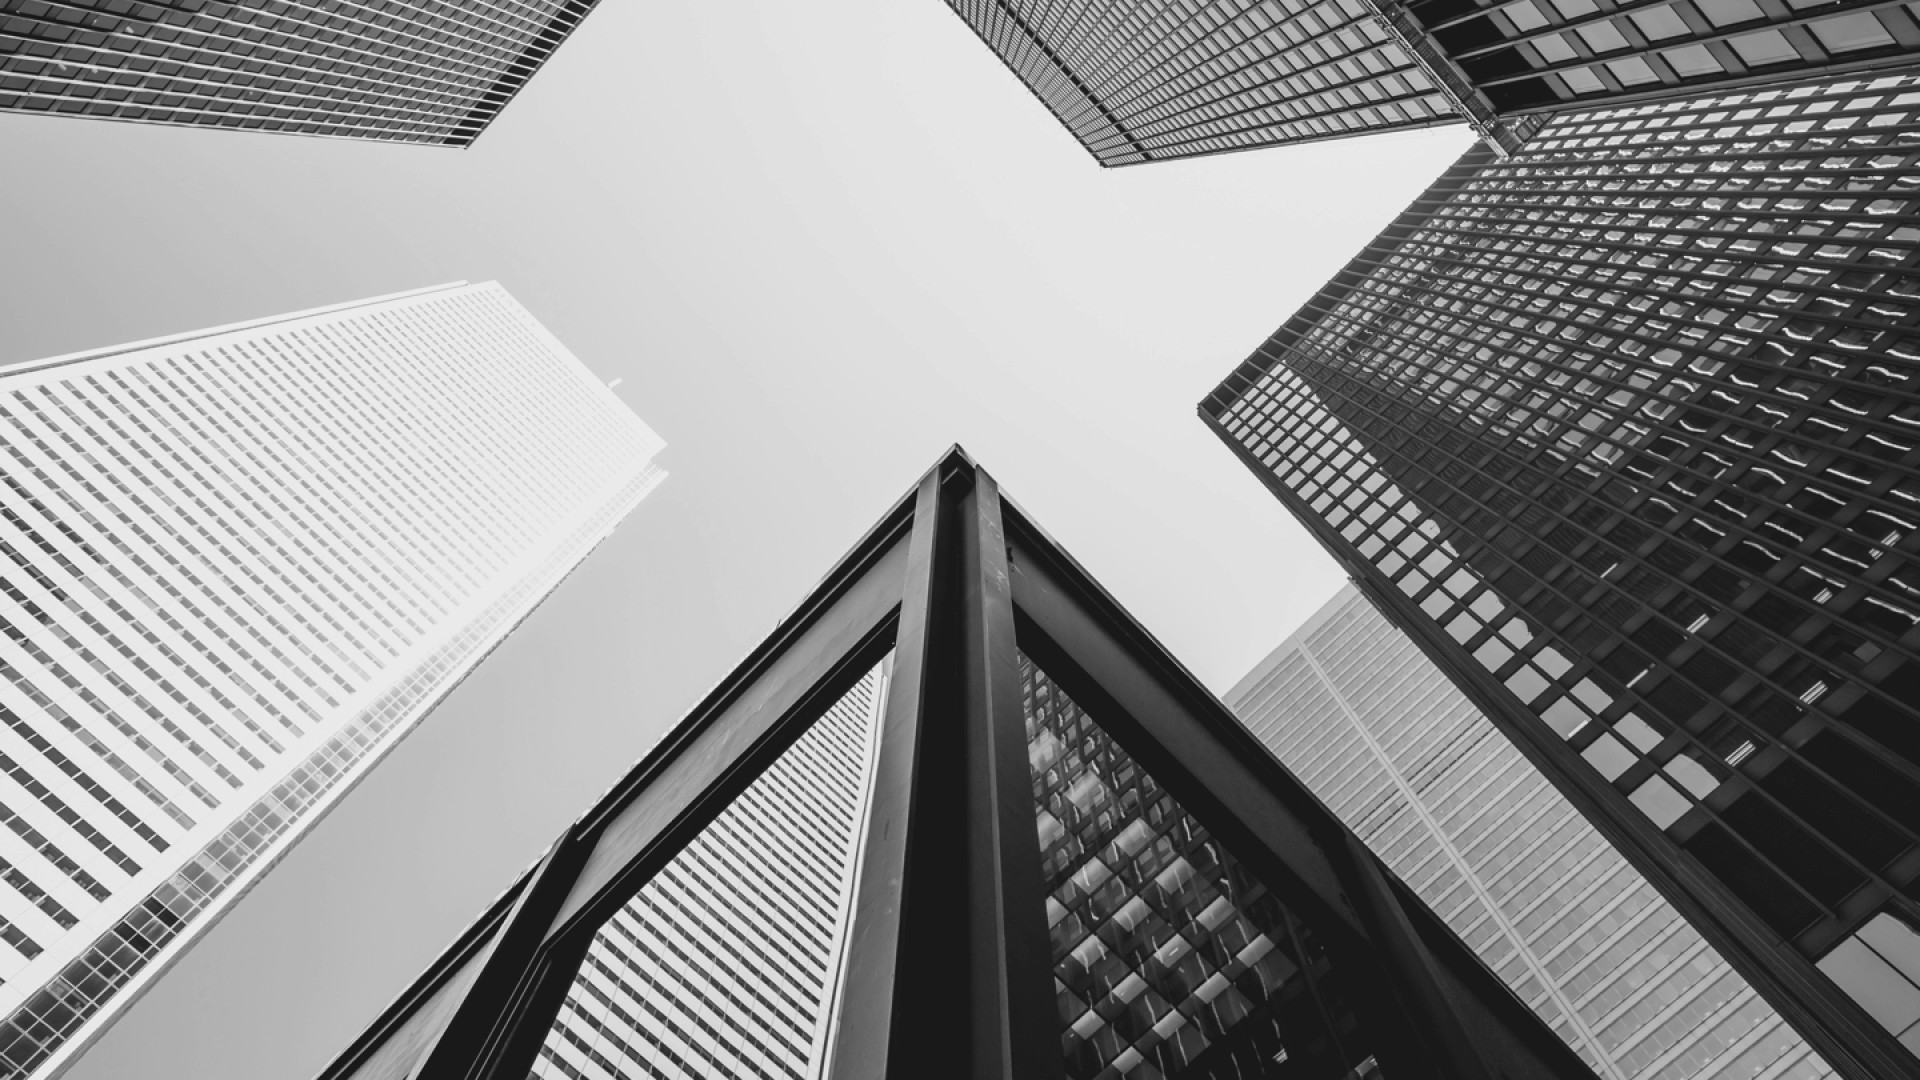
818,244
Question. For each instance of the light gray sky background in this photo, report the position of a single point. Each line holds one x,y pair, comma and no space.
820,242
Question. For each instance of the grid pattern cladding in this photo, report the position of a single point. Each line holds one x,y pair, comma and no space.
433,71
234,569
1358,713
726,964
1149,80
1626,430
1527,55
1170,959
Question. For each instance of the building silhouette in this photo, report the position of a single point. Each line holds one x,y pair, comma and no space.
1152,80
433,71
1074,862
238,566
1622,431
1353,708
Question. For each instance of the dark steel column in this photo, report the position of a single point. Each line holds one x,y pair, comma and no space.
865,1037
1016,1024
948,972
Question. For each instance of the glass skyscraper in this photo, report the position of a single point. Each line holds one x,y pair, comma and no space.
1152,80
1364,719
1623,431
426,71
236,567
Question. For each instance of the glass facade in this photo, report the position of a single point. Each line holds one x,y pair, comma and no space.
431,71
726,963
1152,80
1528,55
1351,706
1625,427
235,568
1170,959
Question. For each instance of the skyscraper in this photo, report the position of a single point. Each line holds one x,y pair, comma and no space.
1353,708
236,567
1150,80
1623,432
432,71
1073,863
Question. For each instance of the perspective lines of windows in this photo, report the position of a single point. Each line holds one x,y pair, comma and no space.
1167,79
433,71
1629,420
234,569
1547,54
1377,731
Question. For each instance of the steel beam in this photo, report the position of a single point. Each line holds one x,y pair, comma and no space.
1423,1025
948,960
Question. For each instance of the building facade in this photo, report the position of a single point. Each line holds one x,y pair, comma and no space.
728,962
1160,79
434,71
1623,431
1153,80
1074,862
236,567
1351,705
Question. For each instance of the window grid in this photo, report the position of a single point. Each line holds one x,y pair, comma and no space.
1633,418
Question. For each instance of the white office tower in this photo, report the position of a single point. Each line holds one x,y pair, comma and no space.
237,567
727,962
1353,708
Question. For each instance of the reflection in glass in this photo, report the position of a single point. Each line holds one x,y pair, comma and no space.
1170,959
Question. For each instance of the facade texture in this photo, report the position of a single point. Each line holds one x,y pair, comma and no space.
1151,80
427,71
235,568
1543,55
1170,957
1624,432
1351,705
1159,79
727,963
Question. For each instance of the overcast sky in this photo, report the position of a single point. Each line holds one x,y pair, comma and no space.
819,242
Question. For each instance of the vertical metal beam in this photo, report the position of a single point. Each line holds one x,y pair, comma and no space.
1016,1025
865,1038
948,958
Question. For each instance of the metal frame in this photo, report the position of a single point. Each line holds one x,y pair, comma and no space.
948,929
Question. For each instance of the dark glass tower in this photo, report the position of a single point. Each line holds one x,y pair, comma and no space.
427,71
1071,862
1625,432
1532,56
1150,80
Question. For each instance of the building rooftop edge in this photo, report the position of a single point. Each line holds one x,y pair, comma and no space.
1295,640
211,331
